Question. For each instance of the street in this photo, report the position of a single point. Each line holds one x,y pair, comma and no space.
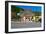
17,24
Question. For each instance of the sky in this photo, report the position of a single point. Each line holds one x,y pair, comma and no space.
33,8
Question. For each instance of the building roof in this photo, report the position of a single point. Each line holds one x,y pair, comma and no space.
26,13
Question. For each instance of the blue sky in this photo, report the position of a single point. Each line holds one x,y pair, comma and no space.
33,8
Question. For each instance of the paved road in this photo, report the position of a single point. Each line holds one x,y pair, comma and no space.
25,24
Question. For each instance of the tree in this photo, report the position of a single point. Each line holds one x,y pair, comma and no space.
15,10
37,13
